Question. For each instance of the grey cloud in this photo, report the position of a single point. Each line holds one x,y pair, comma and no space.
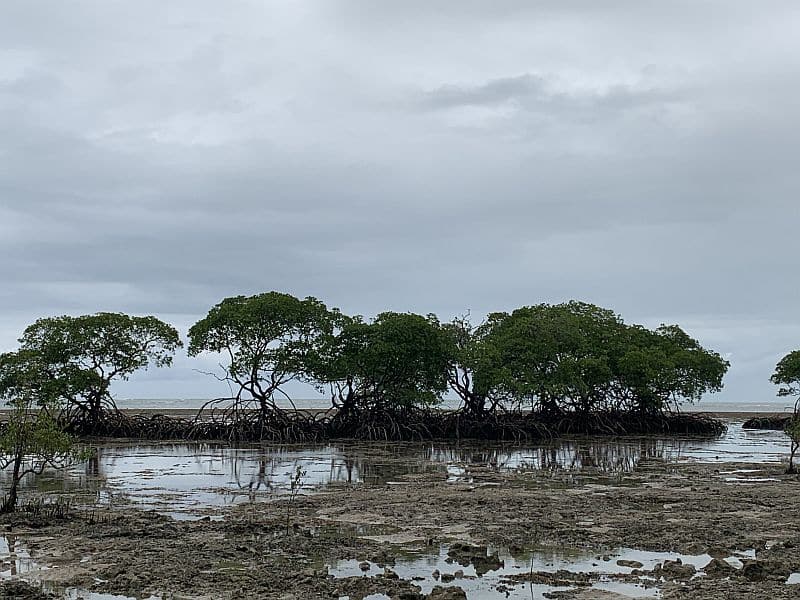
158,157
536,92
492,92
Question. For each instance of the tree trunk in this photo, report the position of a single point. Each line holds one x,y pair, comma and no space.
549,406
475,404
95,412
10,501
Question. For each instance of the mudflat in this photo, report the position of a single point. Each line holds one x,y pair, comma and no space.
676,530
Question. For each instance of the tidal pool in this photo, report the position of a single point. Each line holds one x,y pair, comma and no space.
192,480
15,559
613,571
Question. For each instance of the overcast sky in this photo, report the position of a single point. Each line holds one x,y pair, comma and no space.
427,156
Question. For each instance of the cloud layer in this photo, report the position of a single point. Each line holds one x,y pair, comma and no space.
425,156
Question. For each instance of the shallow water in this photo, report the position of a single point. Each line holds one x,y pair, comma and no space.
603,570
188,480
15,559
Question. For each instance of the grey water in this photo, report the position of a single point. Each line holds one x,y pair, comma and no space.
189,480
608,570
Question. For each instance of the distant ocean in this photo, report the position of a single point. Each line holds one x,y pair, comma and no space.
775,406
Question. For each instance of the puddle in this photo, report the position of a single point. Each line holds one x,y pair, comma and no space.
503,575
15,559
81,594
191,480
625,571
745,480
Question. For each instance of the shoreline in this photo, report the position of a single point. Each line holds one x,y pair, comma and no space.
192,412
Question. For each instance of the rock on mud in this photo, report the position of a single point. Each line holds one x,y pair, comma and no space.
19,590
762,570
478,556
674,570
719,569
447,593
631,564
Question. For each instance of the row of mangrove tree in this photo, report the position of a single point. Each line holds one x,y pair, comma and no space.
535,371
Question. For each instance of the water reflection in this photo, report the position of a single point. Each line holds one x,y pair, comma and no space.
626,571
15,559
182,478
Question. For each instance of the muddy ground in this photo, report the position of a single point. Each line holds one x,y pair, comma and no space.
688,508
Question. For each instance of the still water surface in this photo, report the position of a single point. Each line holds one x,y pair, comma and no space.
188,480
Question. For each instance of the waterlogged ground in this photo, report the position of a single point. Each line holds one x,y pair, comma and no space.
583,519
188,481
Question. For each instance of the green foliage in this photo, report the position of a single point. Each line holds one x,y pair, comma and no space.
268,340
32,439
73,360
554,356
792,429
38,434
666,366
476,372
787,374
582,357
399,360
295,485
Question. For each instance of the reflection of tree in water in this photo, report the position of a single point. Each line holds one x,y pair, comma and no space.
84,479
270,469
606,456
11,541
116,469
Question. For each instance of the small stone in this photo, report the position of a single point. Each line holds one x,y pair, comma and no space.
674,569
717,552
753,570
447,593
718,569
631,564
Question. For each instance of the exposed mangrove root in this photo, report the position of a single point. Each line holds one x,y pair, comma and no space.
634,423
406,424
116,424
500,426
222,422
233,420
774,422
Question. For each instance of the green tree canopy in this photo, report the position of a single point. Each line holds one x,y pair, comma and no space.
577,356
787,374
666,367
474,370
75,359
267,340
554,356
399,360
